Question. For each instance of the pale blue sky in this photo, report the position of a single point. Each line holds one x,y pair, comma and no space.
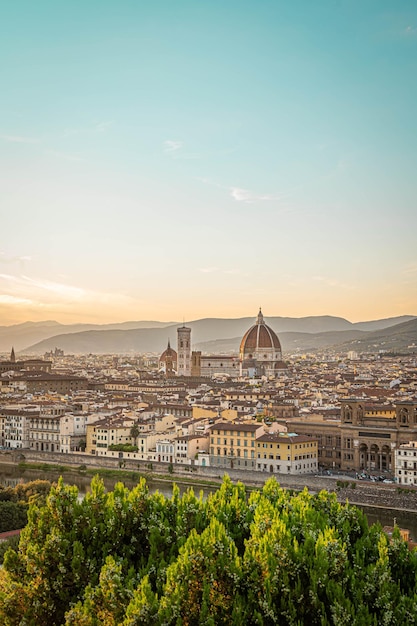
186,159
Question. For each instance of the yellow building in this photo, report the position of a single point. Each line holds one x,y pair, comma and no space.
286,453
234,445
106,432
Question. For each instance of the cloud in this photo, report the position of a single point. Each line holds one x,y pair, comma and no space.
13,259
239,194
24,297
59,289
172,146
410,31
19,139
7,299
208,270
244,195
23,286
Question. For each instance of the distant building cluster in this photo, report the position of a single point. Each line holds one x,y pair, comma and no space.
260,355
252,411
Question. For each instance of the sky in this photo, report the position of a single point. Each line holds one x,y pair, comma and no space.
183,159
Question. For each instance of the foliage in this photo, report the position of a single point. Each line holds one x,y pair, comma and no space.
24,492
263,557
123,447
12,542
13,515
14,503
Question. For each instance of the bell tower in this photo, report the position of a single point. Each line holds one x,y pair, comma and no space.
184,351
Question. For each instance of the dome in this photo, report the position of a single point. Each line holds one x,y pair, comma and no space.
259,337
168,354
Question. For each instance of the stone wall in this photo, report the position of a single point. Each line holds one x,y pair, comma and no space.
370,494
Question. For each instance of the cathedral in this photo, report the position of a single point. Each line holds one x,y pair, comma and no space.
260,355
260,351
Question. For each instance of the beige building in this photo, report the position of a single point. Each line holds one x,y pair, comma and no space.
188,447
286,453
44,427
364,438
107,432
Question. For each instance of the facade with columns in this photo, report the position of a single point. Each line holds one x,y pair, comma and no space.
366,436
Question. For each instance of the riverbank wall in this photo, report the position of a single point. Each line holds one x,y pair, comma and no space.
353,491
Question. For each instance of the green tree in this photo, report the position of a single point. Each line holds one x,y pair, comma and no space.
203,583
105,603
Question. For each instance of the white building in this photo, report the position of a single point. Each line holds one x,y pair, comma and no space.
72,430
406,463
165,451
15,425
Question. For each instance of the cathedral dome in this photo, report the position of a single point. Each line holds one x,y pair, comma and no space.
169,353
259,337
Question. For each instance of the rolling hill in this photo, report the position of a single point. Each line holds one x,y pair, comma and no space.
223,335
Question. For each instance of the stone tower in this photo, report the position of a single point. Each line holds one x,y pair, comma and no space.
184,351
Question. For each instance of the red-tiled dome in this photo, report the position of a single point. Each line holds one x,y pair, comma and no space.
258,337
169,353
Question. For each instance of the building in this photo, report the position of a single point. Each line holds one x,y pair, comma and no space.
168,362
72,432
234,445
364,438
12,365
219,365
260,351
286,453
14,425
406,463
109,431
260,355
184,350
44,382
188,447
44,427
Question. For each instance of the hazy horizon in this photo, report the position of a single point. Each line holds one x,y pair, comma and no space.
184,160
191,320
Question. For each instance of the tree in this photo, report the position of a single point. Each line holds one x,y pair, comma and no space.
202,584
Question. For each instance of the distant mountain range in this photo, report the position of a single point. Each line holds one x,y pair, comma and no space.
211,335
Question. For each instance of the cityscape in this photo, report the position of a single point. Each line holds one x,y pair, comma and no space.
208,313
257,410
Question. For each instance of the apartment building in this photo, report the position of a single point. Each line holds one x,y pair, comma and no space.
286,453
234,445
406,463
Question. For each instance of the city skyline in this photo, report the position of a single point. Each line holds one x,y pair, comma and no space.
183,160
